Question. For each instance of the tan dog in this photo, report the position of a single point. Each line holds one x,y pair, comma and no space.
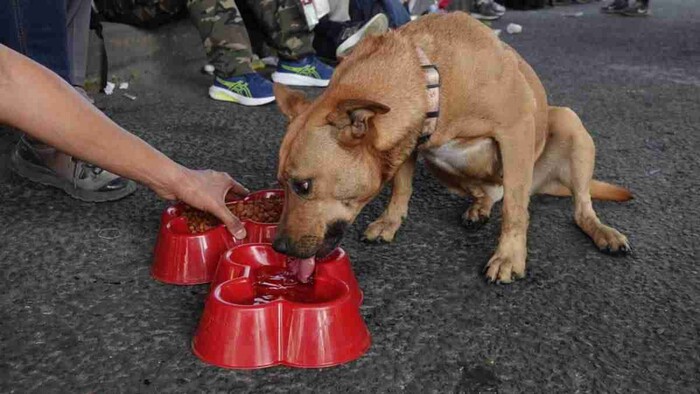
496,138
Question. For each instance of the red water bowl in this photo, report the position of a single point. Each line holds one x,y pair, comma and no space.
310,326
184,258
239,260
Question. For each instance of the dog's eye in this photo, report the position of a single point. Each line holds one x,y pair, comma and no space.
301,188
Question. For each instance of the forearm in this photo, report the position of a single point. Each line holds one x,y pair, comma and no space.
57,115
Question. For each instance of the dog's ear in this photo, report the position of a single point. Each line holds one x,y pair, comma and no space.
353,118
290,102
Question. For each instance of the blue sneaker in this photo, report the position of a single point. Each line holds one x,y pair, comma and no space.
308,71
247,89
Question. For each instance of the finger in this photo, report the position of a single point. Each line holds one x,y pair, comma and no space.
236,187
232,223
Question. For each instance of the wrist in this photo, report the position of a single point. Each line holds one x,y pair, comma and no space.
170,182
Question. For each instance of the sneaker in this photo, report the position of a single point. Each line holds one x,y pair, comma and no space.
308,71
484,10
616,7
247,89
379,24
43,164
498,8
637,9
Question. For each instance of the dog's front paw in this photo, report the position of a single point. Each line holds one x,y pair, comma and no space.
506,265
381,230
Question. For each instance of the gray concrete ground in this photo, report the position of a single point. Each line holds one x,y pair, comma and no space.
79,312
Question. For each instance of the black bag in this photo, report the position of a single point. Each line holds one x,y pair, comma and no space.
141,13
523,4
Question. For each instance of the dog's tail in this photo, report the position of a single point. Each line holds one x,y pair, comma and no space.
599,191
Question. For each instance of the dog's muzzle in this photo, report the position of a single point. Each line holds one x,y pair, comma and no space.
308,246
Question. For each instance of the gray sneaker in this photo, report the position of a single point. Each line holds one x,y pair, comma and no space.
614,7
379,24
484,10
498,8
43,164
636,9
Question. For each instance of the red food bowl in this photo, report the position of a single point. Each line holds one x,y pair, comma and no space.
184,258
251,320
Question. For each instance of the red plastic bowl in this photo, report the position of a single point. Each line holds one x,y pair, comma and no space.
239,260
183,258
318,327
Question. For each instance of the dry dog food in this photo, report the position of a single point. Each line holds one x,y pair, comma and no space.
267,210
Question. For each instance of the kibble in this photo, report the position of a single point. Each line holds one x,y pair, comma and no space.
267,210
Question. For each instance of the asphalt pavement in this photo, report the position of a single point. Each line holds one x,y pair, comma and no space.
79,312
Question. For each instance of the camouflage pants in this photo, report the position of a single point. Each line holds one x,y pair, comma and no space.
226,39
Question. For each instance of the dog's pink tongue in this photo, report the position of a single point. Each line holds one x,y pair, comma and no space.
303,268
306,268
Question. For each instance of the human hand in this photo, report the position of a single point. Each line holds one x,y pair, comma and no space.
207,190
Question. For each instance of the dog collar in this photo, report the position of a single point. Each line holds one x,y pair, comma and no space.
432,86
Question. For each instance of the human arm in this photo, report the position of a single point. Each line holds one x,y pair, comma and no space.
36,101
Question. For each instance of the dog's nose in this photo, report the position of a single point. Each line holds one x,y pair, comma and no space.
281,244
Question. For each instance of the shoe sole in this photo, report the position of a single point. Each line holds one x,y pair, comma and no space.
221,94
485,17
635,14
298,80
40,175
379,24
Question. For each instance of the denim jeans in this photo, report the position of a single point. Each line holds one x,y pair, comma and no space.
37,29
364,10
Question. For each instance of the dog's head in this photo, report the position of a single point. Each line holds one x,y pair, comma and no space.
340,149
327,170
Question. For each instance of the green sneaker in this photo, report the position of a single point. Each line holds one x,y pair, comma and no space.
309,71
247,89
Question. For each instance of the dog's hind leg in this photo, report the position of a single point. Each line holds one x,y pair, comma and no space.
485,196
384,228
571,143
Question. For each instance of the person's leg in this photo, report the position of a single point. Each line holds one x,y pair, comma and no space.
284,25
285,28
327,36
339,11
37,29
364,10
77,30
398,14
224,36
228,49
258,41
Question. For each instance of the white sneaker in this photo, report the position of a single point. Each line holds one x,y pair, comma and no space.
500,10
379,24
